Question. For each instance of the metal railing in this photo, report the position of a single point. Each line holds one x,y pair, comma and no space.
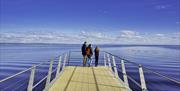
32,70
106,59
141,68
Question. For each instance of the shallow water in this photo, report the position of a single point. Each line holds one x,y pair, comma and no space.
163,59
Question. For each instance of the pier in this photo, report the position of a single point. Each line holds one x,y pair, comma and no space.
76,78
66,73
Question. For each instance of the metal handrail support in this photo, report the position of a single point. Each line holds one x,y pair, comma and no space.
31,78
105,59
109,61
142,79
65,58
115,68
49,74
69,55
59,73
124,73
58,67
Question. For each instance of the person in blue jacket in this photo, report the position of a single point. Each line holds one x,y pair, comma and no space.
83,50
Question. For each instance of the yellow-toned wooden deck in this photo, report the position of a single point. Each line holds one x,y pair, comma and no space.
87,79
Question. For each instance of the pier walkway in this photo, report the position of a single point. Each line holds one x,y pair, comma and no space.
75,78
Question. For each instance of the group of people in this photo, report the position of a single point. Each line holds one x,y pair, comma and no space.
87,53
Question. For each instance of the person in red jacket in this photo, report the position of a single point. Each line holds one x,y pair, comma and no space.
89,54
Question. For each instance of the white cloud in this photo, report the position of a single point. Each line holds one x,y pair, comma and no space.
161,7
96,37
178,22
129,34
121,37
159,35
176,36
36,37
171,38
130,37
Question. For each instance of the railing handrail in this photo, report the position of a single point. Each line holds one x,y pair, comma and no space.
122,58
19,73
160,74
145,68
28,69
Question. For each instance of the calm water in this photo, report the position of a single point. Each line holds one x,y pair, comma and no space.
163,59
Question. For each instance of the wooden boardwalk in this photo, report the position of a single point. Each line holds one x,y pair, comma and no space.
87,79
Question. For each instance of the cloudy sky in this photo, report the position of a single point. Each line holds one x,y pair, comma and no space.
96,21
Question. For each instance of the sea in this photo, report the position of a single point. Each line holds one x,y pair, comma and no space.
163,59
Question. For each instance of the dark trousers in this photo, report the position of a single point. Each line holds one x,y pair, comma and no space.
84,60
96,60
89,60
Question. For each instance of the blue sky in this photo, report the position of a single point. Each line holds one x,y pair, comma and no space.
97,21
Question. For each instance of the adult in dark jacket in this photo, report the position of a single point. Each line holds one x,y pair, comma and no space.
96,52
83,50
89,54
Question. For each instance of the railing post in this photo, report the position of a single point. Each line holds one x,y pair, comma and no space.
109,62
58,67
124,73
69,54
65,58
105,59
143,83
49,73
115,68
31,78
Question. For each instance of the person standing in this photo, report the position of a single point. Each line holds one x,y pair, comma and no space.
96,52
83,50
89,54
